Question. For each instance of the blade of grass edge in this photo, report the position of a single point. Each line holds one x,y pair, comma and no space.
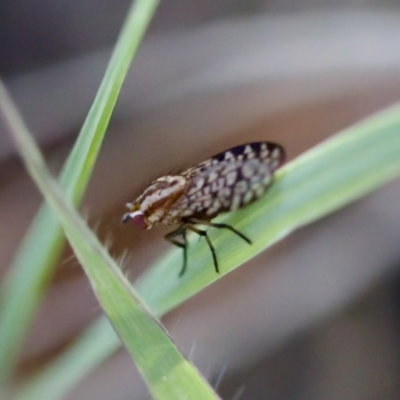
331,175
169,376
33,264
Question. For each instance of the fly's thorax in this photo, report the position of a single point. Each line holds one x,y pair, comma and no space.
159,197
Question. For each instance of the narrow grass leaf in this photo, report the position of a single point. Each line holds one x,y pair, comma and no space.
34,262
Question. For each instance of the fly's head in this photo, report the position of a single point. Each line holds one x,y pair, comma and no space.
136,216
154,204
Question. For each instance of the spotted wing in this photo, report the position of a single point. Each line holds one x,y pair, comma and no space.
229,180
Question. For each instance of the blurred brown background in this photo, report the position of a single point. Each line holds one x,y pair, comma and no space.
316,316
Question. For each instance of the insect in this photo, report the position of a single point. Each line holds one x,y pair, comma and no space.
225,182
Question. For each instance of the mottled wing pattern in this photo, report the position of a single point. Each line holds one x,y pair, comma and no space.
229,180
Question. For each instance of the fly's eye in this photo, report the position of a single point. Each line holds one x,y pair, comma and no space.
138,220
137,217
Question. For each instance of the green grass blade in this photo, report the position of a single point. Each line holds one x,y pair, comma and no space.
33,265
168,374
331,175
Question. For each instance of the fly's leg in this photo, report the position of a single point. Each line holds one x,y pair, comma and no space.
232,229
204,233
189,224
220,226
171,237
